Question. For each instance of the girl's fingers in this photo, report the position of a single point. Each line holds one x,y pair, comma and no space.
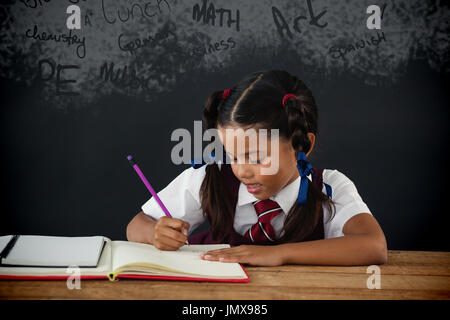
164,247
224,256
174,234
175,223
211,257
221,251
211,254
229,259
235,254
168,243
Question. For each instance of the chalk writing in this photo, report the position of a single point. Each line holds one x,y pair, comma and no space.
124,77
34,3
201,51
70,39
132,34
208,15
220,46
132,45
135,10
283,26
87,20
46,72
340,51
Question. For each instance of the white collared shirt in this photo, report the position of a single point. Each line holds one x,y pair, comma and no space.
181,197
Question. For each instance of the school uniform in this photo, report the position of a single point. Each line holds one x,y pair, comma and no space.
182,199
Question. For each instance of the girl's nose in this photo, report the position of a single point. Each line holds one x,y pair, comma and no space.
244,171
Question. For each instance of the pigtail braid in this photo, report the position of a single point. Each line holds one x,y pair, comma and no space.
210,112
215,206
298,126
302,115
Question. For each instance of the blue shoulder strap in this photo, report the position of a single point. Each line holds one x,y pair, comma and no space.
329,191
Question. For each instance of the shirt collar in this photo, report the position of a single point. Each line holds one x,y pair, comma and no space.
286,197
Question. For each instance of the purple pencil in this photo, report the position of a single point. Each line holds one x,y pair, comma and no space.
149,187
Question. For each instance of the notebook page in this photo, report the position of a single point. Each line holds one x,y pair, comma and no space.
55,251
186,259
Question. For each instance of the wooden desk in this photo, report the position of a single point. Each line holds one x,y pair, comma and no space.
407,275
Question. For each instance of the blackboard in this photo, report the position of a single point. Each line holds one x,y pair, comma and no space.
75,103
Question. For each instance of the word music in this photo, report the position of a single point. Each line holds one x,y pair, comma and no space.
125,77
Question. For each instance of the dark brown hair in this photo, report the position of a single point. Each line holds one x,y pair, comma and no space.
257,101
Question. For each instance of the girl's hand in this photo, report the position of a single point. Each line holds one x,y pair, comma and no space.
170,233
250,254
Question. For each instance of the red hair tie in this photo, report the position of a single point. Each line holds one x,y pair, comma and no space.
287,96
226,93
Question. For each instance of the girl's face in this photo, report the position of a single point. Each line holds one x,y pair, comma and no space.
249,162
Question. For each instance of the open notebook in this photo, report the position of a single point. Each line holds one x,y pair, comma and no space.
43,257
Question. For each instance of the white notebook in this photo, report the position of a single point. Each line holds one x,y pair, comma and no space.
47,251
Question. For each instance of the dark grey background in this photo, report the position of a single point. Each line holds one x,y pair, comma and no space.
64,170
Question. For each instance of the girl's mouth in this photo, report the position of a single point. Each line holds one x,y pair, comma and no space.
253,188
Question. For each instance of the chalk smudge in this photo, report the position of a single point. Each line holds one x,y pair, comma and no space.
142,48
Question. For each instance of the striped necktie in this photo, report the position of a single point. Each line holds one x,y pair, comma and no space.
262,232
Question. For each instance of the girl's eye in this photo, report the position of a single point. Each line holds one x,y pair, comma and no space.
251,159
257,160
